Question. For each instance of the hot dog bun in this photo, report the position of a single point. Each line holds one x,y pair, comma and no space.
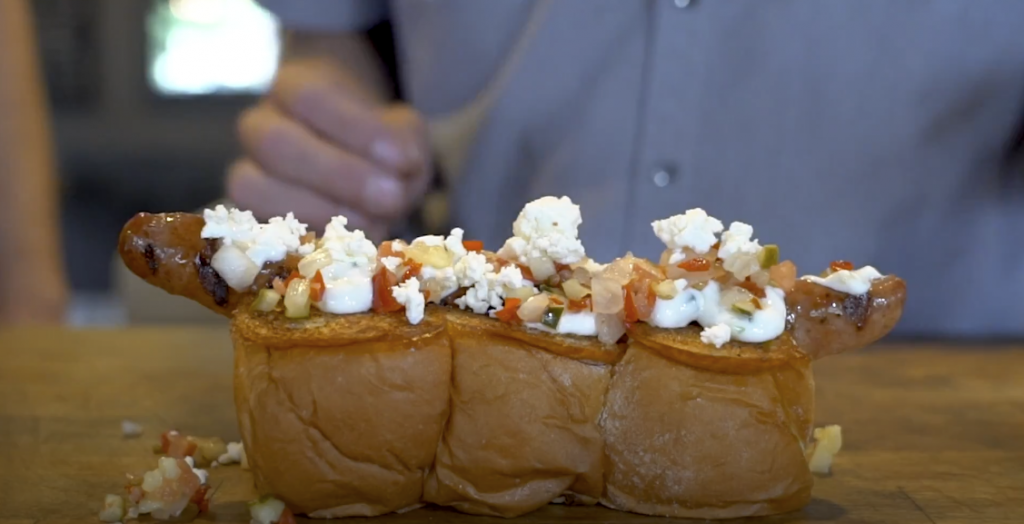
341,415
685,441
523,428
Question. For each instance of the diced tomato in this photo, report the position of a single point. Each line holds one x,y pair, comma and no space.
200,499
286,517
556,300
839,265
317,287
473,245
508,313
695,264
383,300
293,276
176,445
640,290
582,304
527,274
632,315
387,249
412,269
754,289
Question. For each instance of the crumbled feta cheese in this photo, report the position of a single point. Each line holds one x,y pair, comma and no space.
489,292
855,282
481,297
547,228
275,239
717,334
471,269
695,230
234,455
454,244
130,429
391,263
408,294
262,243
738,252
512,277
230,226
349,250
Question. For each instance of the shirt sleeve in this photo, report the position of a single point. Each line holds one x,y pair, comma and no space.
327,15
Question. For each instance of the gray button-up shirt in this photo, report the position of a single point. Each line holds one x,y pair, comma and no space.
882,132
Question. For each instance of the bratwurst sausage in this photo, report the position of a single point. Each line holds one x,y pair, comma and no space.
167,251
827,322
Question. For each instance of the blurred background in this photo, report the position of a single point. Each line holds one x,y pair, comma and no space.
144,95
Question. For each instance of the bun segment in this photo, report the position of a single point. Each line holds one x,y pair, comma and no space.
341,415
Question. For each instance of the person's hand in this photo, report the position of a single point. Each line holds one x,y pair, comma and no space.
319,145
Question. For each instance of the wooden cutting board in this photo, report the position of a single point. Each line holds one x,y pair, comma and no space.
931,434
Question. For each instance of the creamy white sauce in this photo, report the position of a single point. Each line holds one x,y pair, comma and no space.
704,307
346,295
855,282
679,311
764,325
582,323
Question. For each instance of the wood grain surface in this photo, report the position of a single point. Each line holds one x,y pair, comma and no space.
931,434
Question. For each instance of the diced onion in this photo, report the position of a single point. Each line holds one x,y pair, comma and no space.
735,295
533,309
761,278
574,290
522,293
620,271
666,290
434,256
610,328
606,295
582,275
266,301
296,299
783,275
316,261
235,267
542,268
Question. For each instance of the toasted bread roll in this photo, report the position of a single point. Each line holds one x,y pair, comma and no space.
683,440
341,415
828,322
523,428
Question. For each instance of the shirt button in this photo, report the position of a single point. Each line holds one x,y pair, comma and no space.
682,3
663,176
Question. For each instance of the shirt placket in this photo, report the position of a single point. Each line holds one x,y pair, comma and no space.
662,168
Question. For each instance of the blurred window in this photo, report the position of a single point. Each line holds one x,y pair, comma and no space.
203,47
